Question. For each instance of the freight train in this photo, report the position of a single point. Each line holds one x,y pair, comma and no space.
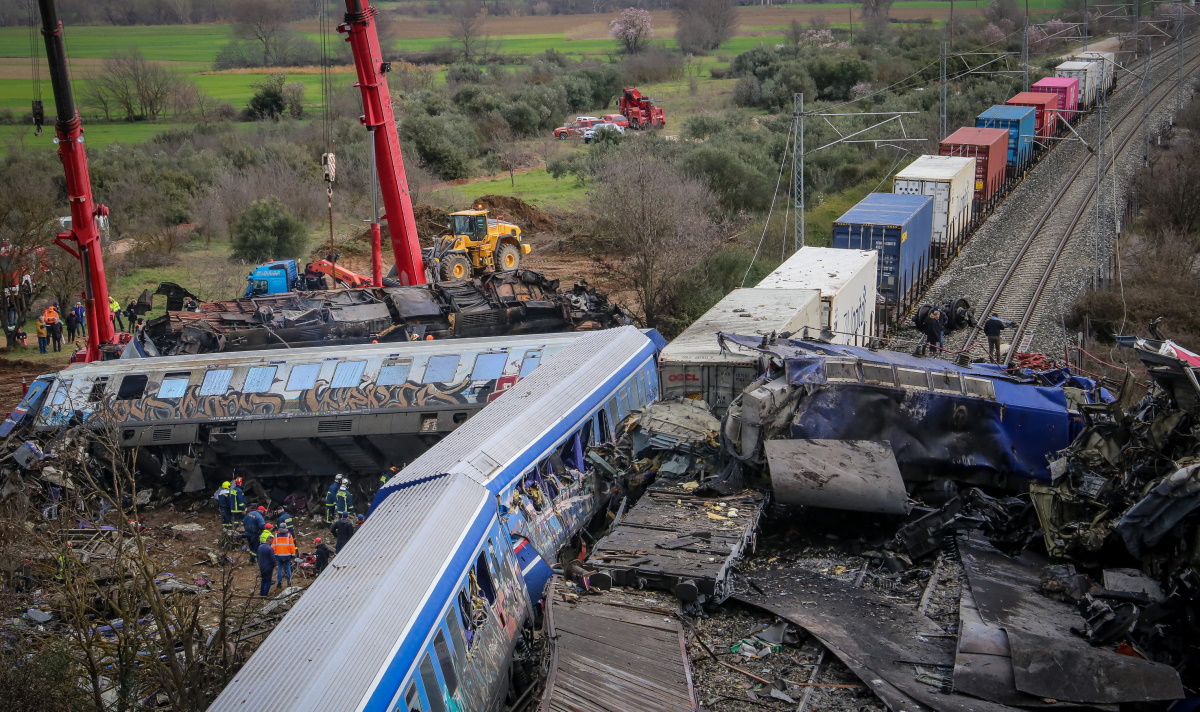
938,201
426,609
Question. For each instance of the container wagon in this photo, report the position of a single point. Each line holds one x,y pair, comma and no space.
1045,117
696,365
1088,74
846,280
1107,62
989,148
1067,89
1018,120
899,227
950,181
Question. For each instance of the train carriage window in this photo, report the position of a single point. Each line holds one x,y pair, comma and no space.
348,374
412,699
489,367
981,387
604,425
446,661
259,379
948,381
530,362
912,378
216,382
99,386
440,369
174,385
394,373
457,639
303,376
483,578
432,689
841,371
878,373
60,393
132,387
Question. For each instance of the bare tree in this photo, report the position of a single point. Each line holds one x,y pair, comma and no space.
876,8
511,152
95,95
467,20
650,224
132,84
263,22
27,212
702,25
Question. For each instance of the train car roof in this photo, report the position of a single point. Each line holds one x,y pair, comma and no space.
573,380
331,651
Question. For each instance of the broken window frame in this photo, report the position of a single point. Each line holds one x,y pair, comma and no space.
533,356
412,698
979,387
174,385
131,387
99,386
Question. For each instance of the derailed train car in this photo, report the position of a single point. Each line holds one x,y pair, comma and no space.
977,424
321,411
428,605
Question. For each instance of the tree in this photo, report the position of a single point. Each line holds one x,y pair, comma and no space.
702,25
633,29
876,8
130,83
266,230
27,226
650,224
467,20
505,146
269,100
263,22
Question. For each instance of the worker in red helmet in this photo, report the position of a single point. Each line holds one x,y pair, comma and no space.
253,525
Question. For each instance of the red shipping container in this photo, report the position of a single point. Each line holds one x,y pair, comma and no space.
1045,121
989,148
1067,89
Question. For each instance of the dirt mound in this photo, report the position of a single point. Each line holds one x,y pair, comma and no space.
525,215
431,220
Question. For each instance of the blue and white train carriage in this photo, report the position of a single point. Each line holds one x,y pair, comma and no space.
423,609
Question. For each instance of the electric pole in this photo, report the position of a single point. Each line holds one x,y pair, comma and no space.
1025,49
798,225
942,125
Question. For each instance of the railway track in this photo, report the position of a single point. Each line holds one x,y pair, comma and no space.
1031,269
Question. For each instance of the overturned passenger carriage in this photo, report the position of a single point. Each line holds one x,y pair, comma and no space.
354,410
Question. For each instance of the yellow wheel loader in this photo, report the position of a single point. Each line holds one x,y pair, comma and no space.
476,244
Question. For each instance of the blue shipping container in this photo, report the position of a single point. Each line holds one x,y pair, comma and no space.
900,229
1019,121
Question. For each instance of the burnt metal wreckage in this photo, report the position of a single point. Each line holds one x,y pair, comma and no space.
498,303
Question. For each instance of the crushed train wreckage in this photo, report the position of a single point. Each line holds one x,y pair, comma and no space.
498,303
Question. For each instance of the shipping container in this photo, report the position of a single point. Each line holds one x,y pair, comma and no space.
1107,62
1018,120
1045,118
1067,89
899,228
1088,74
950,181
989,148
695,365
846,280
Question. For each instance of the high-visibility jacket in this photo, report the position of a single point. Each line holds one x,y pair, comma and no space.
283,545
266,536
237,503
344,504
50,315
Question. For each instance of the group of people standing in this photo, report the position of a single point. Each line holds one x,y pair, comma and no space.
52,322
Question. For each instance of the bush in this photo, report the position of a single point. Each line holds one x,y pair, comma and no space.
653,66
464,74
445,144
265,231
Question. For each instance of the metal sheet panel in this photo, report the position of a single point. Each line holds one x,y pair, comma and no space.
857,475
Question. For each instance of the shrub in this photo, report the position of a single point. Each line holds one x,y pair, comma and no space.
266,230
461,73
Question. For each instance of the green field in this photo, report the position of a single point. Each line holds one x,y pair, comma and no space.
179,43
97,135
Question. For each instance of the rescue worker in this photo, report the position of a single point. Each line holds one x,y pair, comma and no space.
331,499
266,566
284,546
992,328
254,524
115,307
342,529
388,474
267,533
237,502
225,504
283,521
344,502
81,316
323,554
934,331
43,335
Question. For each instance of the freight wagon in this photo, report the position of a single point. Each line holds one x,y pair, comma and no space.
1107,68
1045,117
989,148
950,181
846,280
899,228
1088,74
695,365
1018,121
1067,89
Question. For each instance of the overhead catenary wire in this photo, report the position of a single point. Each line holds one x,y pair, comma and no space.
767,224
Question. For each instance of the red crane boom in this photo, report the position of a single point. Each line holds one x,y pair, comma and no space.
359,28
83,239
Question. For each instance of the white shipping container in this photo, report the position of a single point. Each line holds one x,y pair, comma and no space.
1088,76
847,280
1108,68
695,366
950,181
